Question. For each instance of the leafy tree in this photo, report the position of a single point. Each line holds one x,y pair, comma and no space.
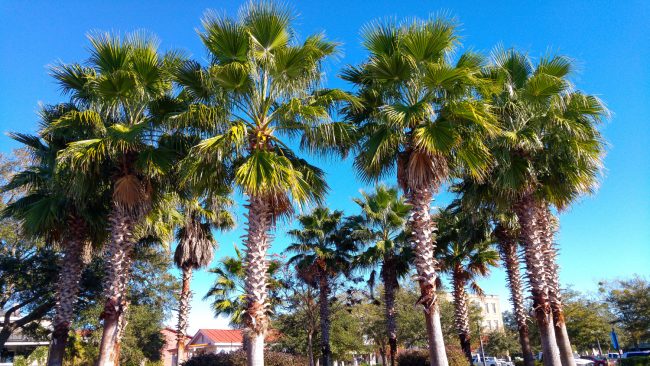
381,223
501,343
323,251
588,321
262,83
420,117
629,302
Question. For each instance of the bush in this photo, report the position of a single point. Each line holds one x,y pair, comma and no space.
635,361
238,358
455,356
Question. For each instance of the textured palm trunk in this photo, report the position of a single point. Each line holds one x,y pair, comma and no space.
391,284
508,250
183,313
461,313
547,224
324,303
257,244
537,278
117,274
422,227
67,289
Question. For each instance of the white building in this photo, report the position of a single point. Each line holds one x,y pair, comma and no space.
490,309
18,344
215,341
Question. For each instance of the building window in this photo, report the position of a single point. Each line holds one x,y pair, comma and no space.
494,308
487,308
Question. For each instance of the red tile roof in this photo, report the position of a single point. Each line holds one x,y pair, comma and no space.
223,335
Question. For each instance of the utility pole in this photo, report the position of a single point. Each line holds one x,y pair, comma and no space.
480,338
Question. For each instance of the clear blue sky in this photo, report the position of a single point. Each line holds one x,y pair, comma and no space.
604,236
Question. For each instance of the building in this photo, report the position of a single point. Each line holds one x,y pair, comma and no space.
490,309
19,344
215,341
168,355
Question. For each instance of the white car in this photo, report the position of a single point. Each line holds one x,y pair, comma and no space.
489,361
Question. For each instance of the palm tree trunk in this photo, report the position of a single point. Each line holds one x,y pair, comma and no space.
183,313
423,243
324,293
391,284
508,249
536,272
257,243
547,228
118,261
68,289
461,313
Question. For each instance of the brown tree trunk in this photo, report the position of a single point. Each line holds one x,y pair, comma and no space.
310,348
68,289
508,250
422,227
548,224
183,313
461,313
117,273
324,303
537,277
391,284
257,244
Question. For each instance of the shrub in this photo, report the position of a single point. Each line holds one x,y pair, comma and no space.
238,358
455,356
635,361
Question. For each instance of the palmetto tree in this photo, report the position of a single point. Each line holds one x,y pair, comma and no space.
195,250
549,154
270,84
114,91
422,119
324,251
381,224
228,292
50,211
465,252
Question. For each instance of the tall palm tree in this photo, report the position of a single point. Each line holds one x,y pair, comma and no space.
485,196
421,118
549,154
50,211
323,252
465,252
115,89
271,86
195,250
381,224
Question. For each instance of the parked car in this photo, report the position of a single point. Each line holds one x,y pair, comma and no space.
583,362
489,361
506,362
636,354
613,356
597,360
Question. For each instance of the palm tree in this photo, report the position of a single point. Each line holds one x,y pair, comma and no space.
269,83
421,118
49,211
381,223
549,154
323,252
228,292
195,250
485,196
465,252
114,91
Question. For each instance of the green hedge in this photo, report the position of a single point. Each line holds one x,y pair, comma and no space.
635,361
238,358
421,357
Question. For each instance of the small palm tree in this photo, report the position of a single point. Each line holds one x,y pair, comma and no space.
48,210
465,252
114,92
228,292
381,224
262,83
421,118
195,250
323,252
